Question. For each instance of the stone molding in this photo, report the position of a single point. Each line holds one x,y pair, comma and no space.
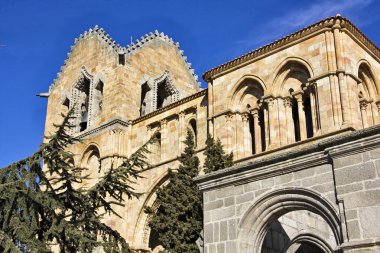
293,160
171,106
138,120
106,125
320,26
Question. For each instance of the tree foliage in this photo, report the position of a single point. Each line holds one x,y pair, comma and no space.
41,203
215,157
178,219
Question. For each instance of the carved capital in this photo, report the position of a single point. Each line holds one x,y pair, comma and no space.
228,117
269,101
288,102
181,114
163,123
245,117
364,105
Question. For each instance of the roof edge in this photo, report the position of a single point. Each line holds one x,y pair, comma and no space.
325,23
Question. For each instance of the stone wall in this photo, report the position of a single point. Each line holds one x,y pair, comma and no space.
337,182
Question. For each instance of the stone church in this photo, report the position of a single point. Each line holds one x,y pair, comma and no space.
301,116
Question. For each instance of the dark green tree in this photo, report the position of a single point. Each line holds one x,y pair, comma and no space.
215,157
41,203
178,220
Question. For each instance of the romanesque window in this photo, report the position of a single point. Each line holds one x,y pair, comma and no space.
303,101
66,105
156,149
367,93
97,103
250,100
193,129
83,98
157,93
165,94
247,99
145,99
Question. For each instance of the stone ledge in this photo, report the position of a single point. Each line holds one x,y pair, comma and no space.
307,156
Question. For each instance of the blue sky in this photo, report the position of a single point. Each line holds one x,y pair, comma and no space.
35,37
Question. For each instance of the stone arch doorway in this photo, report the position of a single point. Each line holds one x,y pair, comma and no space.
290,219
298,231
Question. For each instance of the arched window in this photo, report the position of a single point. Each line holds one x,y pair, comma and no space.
145,92
303,100
156,148
367,93
97,100
193,128
247,98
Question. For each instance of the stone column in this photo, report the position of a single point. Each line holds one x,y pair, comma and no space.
376,119
247,139
314,108
301,116
289,120
343,91
229,131
150,133
164,139
182,132
272,120
257,129
129,141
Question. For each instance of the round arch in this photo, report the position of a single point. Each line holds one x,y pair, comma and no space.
245,83
310,239
87,148
143,219
290,64
369,81
252,226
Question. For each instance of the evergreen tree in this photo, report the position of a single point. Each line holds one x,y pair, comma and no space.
178,219
40,204
215,157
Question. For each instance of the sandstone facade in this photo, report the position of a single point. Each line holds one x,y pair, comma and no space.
301,116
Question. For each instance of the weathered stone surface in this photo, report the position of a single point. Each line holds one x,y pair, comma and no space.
267,106
357,173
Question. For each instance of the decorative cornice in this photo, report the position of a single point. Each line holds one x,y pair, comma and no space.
170,106
104,126
326,23
128,50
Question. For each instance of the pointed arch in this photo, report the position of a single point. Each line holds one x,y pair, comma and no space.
254,223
